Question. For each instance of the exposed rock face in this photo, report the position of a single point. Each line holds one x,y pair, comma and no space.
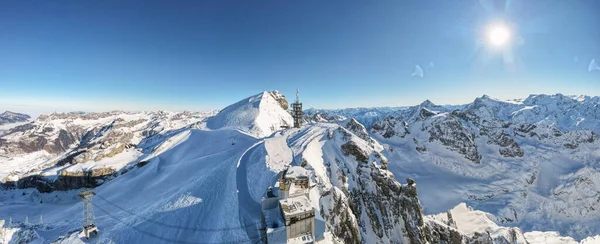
280,99
383,210
497,122
358,129
508,146
452,134
335,209
351,148
66,180
390,127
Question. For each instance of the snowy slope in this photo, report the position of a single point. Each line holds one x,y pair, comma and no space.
167,199
259,115
76,142
186,182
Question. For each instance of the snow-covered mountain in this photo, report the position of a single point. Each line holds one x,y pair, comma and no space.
177,177
9,120
76,144
365,116
259,115
533,164
11,117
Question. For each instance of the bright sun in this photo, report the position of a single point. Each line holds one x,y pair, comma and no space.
498,35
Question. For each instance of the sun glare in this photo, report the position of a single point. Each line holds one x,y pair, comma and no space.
498,34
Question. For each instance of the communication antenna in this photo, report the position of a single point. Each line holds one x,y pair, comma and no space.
297,111
26,220
41,220
88,213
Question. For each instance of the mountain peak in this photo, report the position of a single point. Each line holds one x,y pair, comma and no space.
259,115
427,103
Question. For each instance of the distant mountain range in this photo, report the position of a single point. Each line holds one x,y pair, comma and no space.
12,117
528,167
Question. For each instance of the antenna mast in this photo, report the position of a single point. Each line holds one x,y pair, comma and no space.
297,111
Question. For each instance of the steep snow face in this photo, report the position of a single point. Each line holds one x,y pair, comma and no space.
259,115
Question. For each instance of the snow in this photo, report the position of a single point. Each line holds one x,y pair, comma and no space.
184,201
198,186
550,237
259,115
295,205
116,162
167,190
6,127
470,222
279,154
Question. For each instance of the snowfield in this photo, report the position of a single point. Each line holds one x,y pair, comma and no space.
191,178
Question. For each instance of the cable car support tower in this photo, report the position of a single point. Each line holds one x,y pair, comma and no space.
88,213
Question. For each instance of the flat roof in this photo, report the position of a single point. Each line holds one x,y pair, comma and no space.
296,190
295,205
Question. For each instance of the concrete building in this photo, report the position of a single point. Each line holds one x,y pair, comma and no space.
299,216
293,181
288,214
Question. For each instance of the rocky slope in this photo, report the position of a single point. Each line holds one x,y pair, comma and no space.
362,201
522,153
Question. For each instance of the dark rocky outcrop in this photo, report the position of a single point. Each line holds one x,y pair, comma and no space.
66,180
452,134
280,98
350,148
508,146
389,127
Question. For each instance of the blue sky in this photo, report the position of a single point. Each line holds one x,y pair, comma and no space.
196,55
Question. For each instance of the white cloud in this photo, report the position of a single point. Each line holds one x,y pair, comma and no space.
593,66
418,71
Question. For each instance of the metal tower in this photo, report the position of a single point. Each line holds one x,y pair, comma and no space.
297,111
88,213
